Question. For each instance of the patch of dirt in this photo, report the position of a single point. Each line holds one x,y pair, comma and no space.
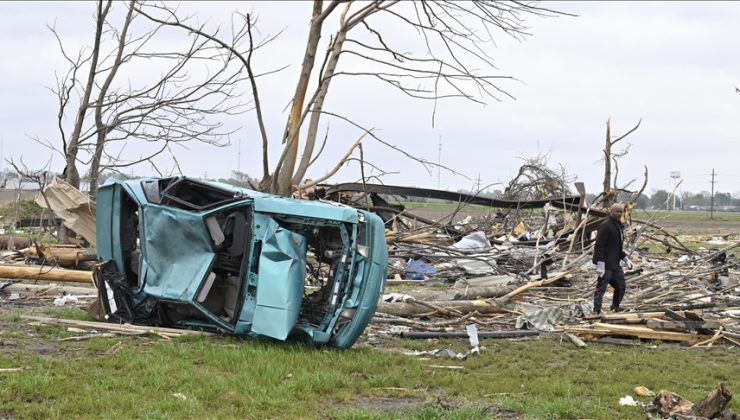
25,336
374,403
401,404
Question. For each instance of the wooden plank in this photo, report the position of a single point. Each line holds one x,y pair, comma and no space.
634,316
666,325
682,326
600,329
48,289
620,341
674,315
113,327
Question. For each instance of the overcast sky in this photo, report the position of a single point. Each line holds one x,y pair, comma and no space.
675,65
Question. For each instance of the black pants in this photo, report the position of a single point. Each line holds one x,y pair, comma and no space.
615,278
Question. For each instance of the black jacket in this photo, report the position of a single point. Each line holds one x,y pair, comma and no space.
608,248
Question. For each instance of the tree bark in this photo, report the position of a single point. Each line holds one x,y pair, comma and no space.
608,199
101,128
64,256
45,273
318,104
715,403
284,172
72,176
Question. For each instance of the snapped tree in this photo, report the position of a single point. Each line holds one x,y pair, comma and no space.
611,189
445,53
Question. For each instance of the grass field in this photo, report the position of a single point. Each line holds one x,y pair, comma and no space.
691,215
215,377
678,215
202,377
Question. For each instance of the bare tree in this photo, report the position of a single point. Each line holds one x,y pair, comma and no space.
451,60
126,118
611,161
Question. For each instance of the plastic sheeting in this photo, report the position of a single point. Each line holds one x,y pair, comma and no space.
542,319
475,242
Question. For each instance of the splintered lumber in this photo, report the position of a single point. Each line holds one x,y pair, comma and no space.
45,273
125,328
636,316
620,341
412,307
461,293
537,283
682,326
599,329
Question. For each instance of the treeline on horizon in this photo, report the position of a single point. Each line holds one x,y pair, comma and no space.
684,200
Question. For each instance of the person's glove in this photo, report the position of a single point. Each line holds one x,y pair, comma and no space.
628,263
600,268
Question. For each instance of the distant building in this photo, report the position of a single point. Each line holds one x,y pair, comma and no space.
16,184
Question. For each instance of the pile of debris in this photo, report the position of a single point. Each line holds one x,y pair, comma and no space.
516,268
526,267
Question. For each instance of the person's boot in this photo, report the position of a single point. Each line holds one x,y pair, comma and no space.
614,309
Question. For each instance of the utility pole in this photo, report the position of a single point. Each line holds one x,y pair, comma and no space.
239,157
439,159
711,205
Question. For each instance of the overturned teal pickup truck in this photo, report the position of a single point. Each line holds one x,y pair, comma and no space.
194,254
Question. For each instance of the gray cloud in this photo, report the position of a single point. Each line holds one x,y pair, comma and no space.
673,64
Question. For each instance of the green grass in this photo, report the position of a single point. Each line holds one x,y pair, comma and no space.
689,215
200,377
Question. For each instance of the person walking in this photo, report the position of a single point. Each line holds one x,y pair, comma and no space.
607,255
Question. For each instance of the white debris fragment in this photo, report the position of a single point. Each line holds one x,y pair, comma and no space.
628,400
716,241
64,299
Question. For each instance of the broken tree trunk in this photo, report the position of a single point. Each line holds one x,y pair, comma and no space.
671,404
45,273
62,255
714,404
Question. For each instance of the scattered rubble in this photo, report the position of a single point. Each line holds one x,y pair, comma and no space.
513,269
